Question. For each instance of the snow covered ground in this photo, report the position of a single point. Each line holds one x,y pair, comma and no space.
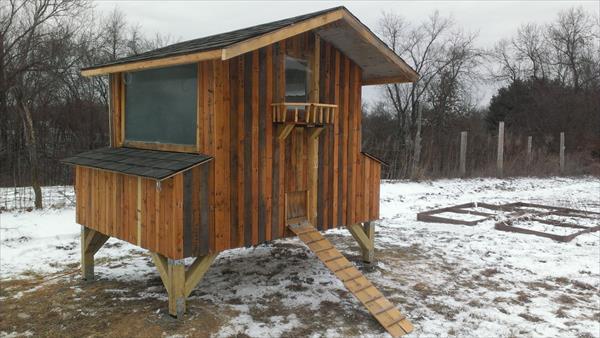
448,279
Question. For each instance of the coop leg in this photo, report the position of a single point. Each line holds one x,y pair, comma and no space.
365,236
176,289
91,242
179,282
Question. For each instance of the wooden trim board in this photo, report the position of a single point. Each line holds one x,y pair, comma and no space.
154,63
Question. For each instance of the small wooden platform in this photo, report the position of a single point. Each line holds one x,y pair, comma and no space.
382,309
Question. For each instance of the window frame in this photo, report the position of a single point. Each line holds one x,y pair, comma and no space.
174,147
308,78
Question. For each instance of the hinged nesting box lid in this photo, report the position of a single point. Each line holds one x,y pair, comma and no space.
157,165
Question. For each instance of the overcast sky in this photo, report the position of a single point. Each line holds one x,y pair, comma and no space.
185,20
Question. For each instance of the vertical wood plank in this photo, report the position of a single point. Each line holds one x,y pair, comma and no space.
234,80
255,136
241,150
221,161
176,242
262,144
248,151
268,141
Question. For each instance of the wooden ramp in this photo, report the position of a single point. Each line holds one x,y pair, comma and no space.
382,309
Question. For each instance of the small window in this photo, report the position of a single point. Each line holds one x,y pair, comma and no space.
296,79
160,105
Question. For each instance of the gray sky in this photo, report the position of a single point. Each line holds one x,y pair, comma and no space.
185,20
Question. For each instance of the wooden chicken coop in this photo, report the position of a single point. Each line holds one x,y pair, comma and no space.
238,139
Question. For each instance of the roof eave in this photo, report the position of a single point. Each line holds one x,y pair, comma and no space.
239,48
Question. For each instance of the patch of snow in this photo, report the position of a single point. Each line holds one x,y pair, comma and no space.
448,279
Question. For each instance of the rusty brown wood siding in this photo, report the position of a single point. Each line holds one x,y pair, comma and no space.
237,199
174,215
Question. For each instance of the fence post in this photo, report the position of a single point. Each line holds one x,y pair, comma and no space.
562,153
529,154
463,153
500,161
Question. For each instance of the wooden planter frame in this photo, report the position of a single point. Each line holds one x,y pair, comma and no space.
517,213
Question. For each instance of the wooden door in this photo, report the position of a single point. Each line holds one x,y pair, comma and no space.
296,177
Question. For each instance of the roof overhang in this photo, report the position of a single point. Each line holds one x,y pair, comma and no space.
379,64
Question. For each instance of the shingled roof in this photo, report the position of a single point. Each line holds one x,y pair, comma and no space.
216,41
336,25
157,165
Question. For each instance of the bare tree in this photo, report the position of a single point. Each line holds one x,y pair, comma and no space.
31,31
571,38
565,50
442,56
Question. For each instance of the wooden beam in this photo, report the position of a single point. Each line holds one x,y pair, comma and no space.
284,131
369,229
365,241
91,242
385,80
182,148
316,132
154,63
176,287
179,282
372,39
280,34
161,265
196,271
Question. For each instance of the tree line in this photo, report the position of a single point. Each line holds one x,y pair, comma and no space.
548,74
549,79
49,111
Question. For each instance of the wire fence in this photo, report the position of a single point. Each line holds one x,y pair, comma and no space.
22,198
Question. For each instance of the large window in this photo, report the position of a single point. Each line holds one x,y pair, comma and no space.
160,105
296,79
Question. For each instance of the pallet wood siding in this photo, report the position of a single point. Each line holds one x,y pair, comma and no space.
238,198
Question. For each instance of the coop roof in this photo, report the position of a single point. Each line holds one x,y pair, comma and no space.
336,25
157,165
375,158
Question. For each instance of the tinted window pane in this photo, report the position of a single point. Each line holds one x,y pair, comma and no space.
296,80
160,105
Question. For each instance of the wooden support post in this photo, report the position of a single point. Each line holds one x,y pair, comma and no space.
313,163
179,282
562,153
369,255
529,145
500,161
91,242
463,153
176,288
365,236
284,131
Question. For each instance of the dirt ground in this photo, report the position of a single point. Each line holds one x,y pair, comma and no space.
62,305
449,280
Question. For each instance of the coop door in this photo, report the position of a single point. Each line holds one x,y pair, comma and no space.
296,177
296,207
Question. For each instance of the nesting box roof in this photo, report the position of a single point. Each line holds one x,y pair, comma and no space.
336,25
157,165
